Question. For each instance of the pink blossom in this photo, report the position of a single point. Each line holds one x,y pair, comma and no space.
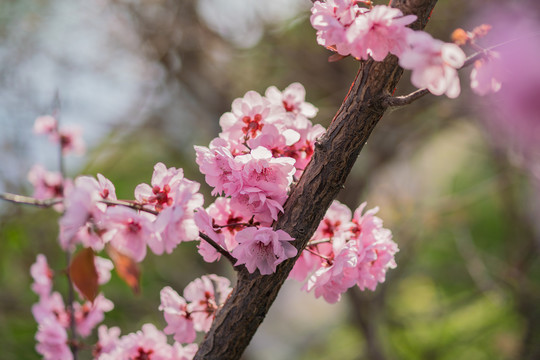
223,213
184,353
45,125
127,231
178,318
337,274
486,75
70,137
219,167
149,343
292,99
205,298
331,19
433,63
47,184
247,118
88,315
263,249
108,339
52,341
164,184
42,275
51,307
375,246
205,224
378,32
103,268
81,221
176,222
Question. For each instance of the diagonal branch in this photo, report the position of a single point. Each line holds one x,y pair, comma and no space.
335,154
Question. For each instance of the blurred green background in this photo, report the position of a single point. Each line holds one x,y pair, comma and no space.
148,79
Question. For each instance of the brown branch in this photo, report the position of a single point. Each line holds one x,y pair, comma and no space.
219,249
335,154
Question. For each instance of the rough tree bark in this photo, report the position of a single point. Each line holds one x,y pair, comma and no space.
334,156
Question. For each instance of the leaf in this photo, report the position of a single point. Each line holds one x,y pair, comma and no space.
336,57
83,274
126,268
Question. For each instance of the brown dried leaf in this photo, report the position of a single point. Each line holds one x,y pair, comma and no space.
126,268
83,274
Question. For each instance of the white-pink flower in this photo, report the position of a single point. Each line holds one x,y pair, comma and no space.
164,184
378,32
42,275
205,295
178,317
205,224
47,184
46,125
486,75
107,340
89,314
433,63
127,231
263,249
52,341
292,99
148,343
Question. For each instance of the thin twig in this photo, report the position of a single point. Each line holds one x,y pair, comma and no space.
393,101
219,249
27,200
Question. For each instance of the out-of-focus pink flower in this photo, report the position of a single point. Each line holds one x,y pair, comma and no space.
378,32
47,184
70,137
81,221
433,63
42,275
178,317
52,341
107,340
128,231
45,125
51,306
147,343
88,315
103,269
486,75
263,249
184,353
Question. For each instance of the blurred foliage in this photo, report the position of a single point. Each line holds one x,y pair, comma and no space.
467,280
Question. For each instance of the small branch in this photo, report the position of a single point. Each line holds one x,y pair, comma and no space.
218,248
27,200
129,204
317,242
394,101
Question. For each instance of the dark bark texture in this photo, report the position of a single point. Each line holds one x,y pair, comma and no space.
334,156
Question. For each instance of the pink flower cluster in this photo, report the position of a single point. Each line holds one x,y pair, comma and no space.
348,29
346,250
69,137
196,310
54,319
92,223
265,142
149,343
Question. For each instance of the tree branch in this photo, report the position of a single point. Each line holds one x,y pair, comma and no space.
336,152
